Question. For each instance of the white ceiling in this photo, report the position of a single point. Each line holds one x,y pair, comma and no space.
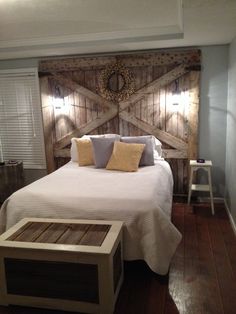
34,28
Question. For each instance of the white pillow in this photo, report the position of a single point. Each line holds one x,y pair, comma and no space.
157,147
73,148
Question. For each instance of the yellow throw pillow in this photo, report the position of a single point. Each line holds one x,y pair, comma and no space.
125,157
85,152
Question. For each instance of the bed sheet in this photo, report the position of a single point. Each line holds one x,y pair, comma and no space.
142,200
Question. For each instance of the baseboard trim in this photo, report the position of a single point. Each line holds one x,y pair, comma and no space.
220,200
230,216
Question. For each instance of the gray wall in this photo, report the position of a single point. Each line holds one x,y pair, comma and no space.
213,106
213,112
230,169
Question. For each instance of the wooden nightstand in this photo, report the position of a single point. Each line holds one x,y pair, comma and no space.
194,165
12,179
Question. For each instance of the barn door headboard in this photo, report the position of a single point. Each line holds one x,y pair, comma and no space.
130,94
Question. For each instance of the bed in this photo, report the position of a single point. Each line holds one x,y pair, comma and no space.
142,199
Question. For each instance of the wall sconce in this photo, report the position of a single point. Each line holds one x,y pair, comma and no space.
58,103
176,94
58,100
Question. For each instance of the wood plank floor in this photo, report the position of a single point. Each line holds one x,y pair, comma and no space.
202,276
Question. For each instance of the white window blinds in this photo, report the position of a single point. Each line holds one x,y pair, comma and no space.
21,132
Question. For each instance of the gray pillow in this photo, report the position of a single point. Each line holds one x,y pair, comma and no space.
147,158
102,150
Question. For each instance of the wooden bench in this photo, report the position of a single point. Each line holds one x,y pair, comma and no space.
73,265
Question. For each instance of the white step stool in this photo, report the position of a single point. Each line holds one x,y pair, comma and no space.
194,165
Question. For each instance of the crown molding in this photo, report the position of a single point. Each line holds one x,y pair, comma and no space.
172,31
93,42
38,47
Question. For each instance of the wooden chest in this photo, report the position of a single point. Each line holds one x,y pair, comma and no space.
63,264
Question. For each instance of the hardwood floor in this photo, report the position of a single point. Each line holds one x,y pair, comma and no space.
202,276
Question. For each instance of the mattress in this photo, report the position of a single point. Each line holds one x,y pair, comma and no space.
142,200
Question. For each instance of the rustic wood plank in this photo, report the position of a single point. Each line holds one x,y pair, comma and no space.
48,122
224,270
155,85
64,153
87,128
177,268
73,234
31,232
161,135
180,175
75,63
157,295
162,58
193,115
171,122
162,117
69,83
229,241
182,108
207,271
174,153
52,233
88,101
19,231
79,99
95,235
185,176
193,301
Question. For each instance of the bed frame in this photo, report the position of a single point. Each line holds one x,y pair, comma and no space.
129,94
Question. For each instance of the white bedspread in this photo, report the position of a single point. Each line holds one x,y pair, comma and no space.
143,200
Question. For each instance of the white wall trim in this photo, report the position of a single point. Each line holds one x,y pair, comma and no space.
221,200
233,224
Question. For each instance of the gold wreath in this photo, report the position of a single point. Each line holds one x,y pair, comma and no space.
126,90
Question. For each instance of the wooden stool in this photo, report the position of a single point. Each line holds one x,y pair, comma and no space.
194,165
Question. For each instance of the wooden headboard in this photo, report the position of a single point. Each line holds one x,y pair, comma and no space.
129,94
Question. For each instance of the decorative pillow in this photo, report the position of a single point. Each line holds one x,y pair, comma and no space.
117,136
147,158
73,148
157,151
102,150
85,152
125,157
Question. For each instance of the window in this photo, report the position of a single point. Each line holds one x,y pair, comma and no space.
21,132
